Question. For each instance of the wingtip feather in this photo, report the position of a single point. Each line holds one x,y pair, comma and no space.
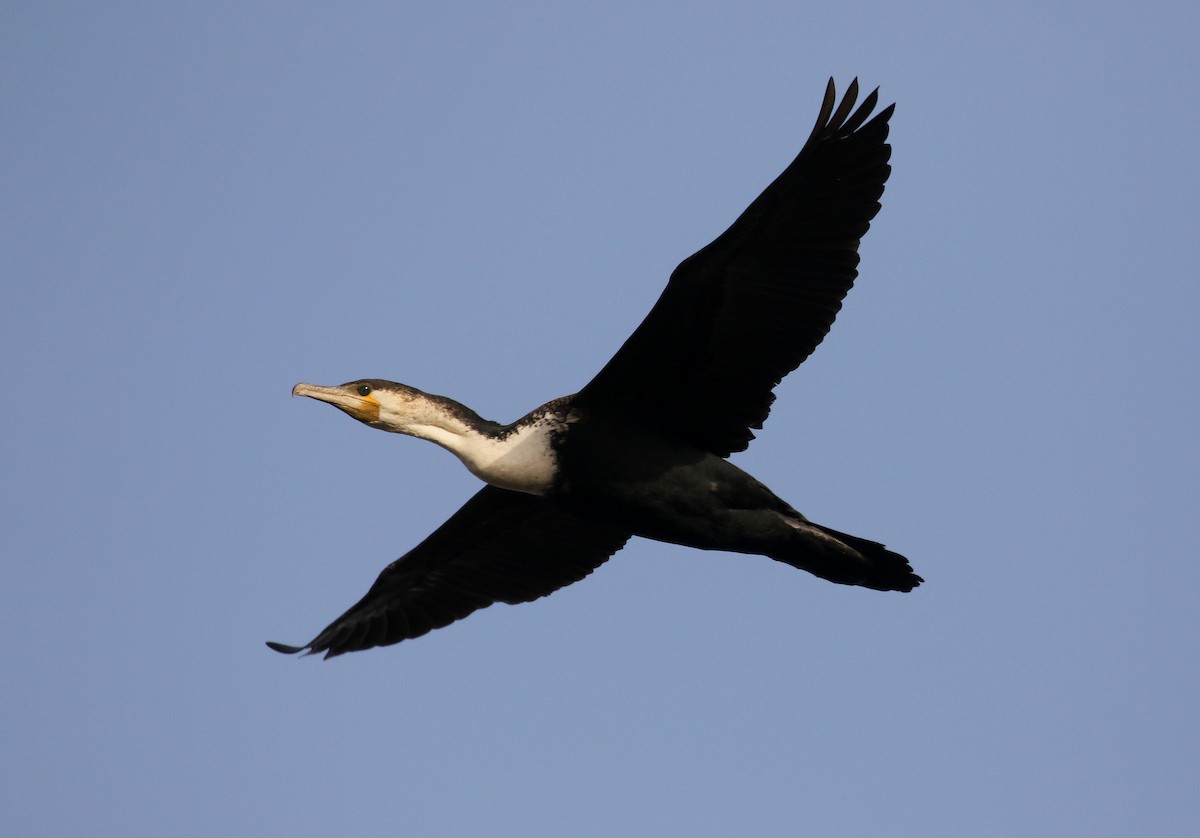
283,648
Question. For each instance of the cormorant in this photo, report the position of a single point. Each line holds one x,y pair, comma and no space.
641,449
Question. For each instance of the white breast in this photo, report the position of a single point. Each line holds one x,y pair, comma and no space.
523,460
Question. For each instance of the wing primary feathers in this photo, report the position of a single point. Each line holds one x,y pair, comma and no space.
703,363
502,546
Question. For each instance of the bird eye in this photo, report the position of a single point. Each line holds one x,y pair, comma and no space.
364,389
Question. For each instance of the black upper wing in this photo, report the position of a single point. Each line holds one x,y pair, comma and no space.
501,546
742,313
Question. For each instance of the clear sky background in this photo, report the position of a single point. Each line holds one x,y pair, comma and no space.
204,204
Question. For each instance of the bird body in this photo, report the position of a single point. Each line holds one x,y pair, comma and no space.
641,449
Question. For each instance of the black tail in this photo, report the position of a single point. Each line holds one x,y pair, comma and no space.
850,560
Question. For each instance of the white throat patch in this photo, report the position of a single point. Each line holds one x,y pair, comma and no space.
523,461
519,457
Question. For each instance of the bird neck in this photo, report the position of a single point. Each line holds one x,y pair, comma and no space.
519,457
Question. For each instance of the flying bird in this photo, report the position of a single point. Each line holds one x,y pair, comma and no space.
641,449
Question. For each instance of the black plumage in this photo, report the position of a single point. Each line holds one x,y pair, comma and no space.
502,546
641,449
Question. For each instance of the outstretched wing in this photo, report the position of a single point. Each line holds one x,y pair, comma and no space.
742,313
502,546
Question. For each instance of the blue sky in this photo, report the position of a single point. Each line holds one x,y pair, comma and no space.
203,205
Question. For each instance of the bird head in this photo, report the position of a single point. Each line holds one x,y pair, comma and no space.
381,404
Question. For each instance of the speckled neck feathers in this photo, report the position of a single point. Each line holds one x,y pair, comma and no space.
520,456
